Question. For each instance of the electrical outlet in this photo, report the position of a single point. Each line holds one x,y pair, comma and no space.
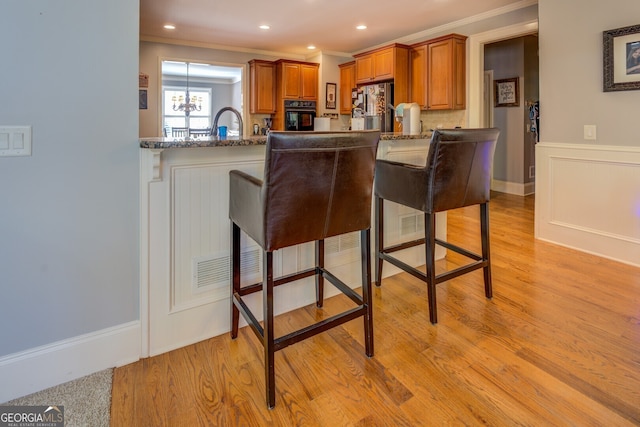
590,132
532,171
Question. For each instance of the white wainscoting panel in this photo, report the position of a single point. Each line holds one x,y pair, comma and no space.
200,233
588,198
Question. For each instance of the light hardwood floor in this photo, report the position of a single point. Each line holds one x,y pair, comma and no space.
559,344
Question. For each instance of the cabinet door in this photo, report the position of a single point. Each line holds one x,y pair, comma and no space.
347,82
440,75
459,75
364,69
309,81
262,87
419,76
446,73
383,64
290,80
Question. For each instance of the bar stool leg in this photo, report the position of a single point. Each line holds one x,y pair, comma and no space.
319,276
484,231
430,251
379,237
269,346
235,277
365,250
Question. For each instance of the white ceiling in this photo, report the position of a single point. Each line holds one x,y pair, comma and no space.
327,24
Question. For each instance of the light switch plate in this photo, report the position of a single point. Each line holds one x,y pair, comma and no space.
15,141
590,132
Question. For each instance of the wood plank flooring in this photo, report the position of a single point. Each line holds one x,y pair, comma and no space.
559,344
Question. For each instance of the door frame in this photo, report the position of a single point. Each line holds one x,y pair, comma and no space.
476,64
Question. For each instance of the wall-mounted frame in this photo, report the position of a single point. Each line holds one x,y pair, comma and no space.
621,59
142,100
331,96
507,92
143,80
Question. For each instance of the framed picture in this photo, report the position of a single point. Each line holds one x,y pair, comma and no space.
621,59
142,100
507,93
143,80
331,96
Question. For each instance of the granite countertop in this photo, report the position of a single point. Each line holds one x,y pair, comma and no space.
234,141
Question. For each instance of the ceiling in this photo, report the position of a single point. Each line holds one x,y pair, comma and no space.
329,25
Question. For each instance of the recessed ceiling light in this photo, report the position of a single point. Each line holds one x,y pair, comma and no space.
361,27
264,27
311,47
169,27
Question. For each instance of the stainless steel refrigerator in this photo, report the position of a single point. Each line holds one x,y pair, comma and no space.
374,103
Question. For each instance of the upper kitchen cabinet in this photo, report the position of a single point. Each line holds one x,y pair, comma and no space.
438,73
296,80
262,86
347,82
386,63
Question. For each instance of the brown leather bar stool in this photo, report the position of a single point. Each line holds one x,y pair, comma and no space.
457,174
316,185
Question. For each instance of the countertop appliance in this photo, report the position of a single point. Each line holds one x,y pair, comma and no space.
374,103
299,115
408,114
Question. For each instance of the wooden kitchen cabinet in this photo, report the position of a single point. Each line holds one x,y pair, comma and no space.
297,80
438,73
385,63
262,86
347,82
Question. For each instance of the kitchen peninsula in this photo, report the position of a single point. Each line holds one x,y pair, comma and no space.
184,265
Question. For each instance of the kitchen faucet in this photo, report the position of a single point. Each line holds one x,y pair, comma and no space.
214,128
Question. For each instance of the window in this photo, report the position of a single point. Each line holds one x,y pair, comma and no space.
214,87
196,119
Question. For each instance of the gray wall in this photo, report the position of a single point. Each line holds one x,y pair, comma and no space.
571,73
69,213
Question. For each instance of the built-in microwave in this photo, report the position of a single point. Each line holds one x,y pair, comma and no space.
299,115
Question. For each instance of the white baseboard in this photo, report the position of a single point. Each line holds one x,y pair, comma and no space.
516,188
42,367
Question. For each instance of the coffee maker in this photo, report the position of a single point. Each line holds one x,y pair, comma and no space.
408,114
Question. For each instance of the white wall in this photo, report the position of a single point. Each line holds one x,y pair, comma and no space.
69,212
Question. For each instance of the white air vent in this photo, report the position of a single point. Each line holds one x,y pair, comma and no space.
213,271
345,242
251,264
411,224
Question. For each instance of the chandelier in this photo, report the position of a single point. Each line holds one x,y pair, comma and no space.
188,103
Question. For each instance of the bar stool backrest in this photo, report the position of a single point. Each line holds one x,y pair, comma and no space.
317,185
459,167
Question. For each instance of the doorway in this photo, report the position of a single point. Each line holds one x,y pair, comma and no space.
510,174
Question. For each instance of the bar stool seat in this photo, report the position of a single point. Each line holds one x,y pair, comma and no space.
457,174
316,185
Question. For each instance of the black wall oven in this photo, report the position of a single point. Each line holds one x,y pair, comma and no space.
299,115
